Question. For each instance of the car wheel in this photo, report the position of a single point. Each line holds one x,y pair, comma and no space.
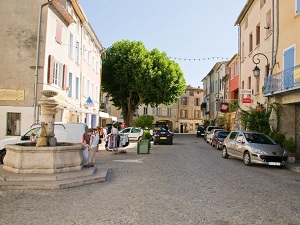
224,153
247,159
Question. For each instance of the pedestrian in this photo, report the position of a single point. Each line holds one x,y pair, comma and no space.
92,147
85,152
123,125
33,137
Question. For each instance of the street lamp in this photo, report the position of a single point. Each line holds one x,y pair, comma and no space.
256,70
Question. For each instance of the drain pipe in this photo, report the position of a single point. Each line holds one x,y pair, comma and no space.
37,62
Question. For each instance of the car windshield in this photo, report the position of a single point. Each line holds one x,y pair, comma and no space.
222,134
258,138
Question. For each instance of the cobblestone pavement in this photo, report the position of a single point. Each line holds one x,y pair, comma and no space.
186,183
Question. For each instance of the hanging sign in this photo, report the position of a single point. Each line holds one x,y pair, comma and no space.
224,107
246,91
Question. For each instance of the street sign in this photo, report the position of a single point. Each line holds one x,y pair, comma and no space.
246,91
224,107
246,100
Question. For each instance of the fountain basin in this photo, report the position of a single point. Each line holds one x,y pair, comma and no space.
27,158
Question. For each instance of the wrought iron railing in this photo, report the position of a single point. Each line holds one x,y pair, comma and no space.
283,81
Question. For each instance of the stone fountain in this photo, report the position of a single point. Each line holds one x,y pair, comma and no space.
48,163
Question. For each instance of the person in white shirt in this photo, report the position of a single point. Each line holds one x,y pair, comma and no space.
94,140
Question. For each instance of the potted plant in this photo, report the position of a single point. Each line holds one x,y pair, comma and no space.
144,122
291,147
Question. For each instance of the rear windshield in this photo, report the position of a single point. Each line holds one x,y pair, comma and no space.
222,134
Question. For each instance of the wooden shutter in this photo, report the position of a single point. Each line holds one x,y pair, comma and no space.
58,31
65,72
50,69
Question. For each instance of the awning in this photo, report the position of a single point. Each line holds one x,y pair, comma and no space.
103,115
89,102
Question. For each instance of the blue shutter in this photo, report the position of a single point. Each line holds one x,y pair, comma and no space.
289,57
298,6
70,84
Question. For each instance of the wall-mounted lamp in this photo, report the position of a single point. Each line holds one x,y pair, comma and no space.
256,70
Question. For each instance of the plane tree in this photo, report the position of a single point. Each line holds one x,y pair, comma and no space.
132,75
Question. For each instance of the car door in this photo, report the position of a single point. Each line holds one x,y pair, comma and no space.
230,144
239,145
135,133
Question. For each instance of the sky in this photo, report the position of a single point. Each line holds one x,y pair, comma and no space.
194,33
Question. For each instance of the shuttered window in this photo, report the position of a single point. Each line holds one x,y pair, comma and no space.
58,31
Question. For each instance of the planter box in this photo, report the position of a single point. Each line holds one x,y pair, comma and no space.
143,147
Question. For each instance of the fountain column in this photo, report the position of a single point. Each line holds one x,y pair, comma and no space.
48,104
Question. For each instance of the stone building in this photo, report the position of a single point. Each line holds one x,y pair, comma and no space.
47,45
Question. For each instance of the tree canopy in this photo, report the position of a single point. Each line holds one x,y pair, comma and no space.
132,75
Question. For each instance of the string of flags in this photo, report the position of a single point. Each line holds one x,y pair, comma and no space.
197,59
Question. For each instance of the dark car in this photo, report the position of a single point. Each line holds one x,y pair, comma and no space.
200,130
163,137
218,138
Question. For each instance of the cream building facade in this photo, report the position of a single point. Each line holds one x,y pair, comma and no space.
43,48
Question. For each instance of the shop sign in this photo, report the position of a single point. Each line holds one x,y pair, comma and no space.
246,91
247,100
11,95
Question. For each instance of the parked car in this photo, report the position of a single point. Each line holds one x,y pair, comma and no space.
133,133
200,130
163,136
64,132
218,138
254,147
211,134
208,129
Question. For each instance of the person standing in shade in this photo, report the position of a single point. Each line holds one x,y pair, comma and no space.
92,147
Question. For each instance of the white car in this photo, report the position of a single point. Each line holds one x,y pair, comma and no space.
133,133
210,135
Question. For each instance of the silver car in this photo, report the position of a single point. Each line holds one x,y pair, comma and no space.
254,147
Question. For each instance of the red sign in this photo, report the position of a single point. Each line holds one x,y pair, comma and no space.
247,100
224,107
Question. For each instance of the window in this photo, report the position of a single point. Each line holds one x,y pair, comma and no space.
83,52
268,23
246,22
169,111
13,126
250,42
158,111
71,45
197,114
258,34
232,72
70,85
77,87
97,94
232,135
77,52
57,73
145,110
184,113
83,86
191,93
240,137
184,101
243,51
249,82
197,101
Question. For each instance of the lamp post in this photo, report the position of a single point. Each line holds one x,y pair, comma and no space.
256,60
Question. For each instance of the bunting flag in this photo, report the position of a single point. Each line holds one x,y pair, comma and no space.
89,103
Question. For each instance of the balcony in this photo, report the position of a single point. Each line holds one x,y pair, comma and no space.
283,81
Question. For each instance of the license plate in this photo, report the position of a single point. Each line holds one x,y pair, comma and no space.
274,163
163,138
